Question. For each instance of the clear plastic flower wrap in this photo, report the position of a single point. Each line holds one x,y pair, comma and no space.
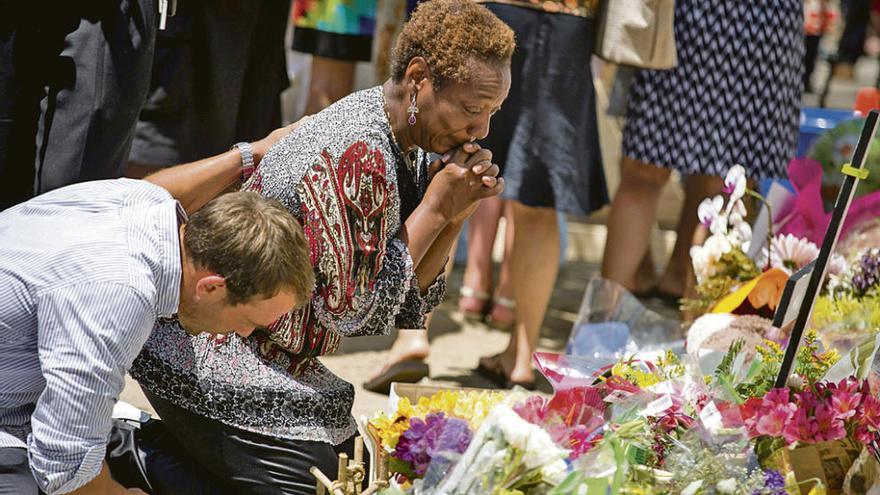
507,453
612,323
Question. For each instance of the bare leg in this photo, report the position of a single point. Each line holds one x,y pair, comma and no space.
629,222
413,344
534,263
679,271
482,227
330,80
503,313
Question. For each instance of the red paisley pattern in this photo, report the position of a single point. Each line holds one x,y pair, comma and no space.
343,212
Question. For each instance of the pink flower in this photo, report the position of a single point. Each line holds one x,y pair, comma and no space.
828,425
800,428
871,411
532,409
749,413
773,422
776,411
845,404
806,399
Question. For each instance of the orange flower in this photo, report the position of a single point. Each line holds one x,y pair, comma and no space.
768,290
763,290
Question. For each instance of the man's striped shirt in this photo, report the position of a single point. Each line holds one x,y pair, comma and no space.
84,272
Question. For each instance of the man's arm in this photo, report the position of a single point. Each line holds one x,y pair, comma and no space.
88,336
194,184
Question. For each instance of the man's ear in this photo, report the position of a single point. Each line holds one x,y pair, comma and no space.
210,286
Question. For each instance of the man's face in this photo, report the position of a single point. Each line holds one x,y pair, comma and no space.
212,313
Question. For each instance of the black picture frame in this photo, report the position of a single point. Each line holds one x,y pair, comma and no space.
820,264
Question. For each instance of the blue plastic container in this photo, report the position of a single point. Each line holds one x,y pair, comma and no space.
815,121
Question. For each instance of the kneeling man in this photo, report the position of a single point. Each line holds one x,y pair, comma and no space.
85,271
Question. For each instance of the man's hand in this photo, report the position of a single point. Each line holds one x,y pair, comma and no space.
260,147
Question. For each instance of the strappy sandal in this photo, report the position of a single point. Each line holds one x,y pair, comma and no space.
503,313
473,304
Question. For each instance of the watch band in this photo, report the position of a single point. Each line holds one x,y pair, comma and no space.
247,160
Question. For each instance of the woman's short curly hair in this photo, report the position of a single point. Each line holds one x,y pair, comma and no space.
450,34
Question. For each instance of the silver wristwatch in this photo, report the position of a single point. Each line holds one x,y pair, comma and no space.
247,159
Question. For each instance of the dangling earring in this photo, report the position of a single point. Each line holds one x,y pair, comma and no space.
413,109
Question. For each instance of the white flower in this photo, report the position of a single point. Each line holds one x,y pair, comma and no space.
727,486
705,257
536,445
735,183
791,253
710,209
693,488
836,265
555,473
740,207
742,234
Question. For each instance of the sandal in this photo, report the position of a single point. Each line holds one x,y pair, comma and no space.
503,313
500,380
473,304
406,371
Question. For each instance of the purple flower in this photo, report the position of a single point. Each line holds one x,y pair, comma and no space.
774,484
867,272
426,438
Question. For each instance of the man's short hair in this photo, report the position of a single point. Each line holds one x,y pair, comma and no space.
254,243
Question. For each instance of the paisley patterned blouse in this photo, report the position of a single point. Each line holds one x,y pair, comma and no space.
351,189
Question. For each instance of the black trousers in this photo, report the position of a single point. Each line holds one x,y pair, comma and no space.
73,78
233,461
855,29
218,72
15,474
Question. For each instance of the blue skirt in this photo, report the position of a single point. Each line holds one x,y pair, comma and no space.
546,137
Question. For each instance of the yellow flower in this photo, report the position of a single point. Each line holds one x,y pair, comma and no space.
390,428
471,406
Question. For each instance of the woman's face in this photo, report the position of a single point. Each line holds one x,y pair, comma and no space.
458,113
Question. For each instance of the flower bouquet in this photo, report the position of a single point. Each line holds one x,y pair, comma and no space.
850,310
439,425
811,427
507,456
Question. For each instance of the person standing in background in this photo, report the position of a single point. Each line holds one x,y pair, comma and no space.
819,19
545,138
218,73
73,77
338,34
734,98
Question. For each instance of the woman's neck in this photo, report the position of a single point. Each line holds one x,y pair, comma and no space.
396,101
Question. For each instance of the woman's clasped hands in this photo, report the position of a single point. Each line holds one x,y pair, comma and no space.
460,179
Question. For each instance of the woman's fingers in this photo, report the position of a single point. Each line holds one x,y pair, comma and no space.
493,190
487,169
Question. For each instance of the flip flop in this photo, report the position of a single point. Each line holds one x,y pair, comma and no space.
407,371
666,298
500,380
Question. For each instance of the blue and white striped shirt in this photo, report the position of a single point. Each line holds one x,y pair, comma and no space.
84,272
